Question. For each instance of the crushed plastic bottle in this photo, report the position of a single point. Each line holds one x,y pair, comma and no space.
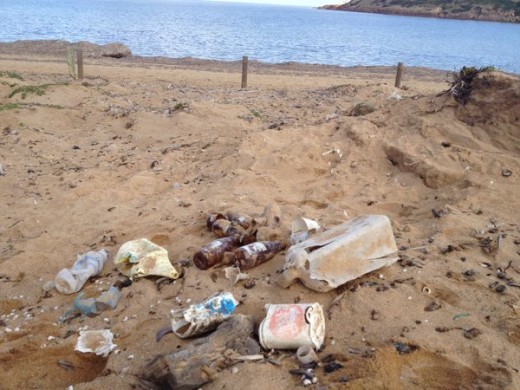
108,300
203,317
69,281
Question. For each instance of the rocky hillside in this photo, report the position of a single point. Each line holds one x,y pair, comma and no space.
493,10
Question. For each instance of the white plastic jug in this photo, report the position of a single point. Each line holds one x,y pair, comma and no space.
340,254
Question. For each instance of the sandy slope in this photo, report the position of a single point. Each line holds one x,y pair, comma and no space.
78,175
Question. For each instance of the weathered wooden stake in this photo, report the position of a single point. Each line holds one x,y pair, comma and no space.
245,61
399,75
79,55
70,62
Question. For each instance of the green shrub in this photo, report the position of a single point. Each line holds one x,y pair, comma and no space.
9,106
36,89
27,89
256,114
11,75
179,106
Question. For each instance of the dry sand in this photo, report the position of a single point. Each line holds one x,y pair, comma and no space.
149,148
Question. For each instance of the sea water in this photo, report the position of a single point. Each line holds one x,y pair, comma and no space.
269,33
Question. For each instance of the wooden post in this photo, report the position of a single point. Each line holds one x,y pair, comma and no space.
79,55
245,61
70,62
399,75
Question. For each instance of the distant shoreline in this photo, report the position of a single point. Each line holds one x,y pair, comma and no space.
475,13
54,50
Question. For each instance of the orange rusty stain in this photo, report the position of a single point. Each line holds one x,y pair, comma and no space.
287,321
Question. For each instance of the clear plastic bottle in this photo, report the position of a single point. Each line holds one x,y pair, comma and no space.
69,281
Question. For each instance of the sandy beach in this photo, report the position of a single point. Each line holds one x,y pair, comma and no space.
147,148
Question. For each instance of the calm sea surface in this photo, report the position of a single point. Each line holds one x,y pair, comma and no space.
228,31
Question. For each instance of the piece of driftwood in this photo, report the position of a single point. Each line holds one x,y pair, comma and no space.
199,362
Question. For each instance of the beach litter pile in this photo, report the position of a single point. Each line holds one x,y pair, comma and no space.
323,259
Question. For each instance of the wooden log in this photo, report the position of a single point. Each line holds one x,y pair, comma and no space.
245,61
399,75
199,362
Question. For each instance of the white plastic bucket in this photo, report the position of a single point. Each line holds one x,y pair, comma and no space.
290,326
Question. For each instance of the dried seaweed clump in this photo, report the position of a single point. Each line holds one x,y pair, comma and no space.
462,84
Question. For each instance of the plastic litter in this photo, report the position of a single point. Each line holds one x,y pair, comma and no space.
290,326
340,254
96,341
108,300
234,275
302,229
69,281
203,317
142,257
306,355
394,96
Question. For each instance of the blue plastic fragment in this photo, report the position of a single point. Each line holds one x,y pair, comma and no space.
227,306
92,306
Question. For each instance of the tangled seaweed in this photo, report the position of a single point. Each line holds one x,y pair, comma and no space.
462,84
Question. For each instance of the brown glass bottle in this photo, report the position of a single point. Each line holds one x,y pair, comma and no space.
213,253
249,256
212,218
240,219
225,228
